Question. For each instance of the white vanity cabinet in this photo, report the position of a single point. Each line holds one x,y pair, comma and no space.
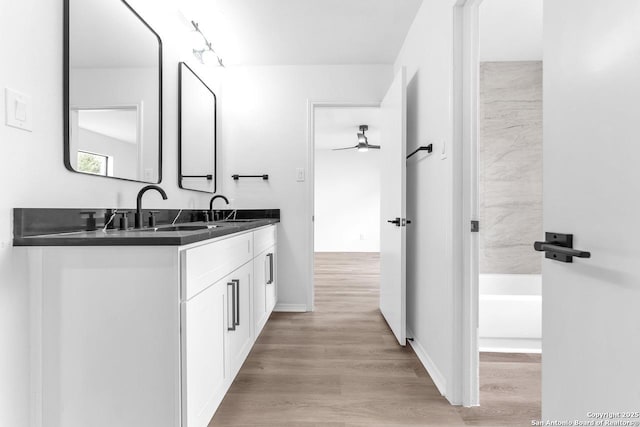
203,354
215,280
144,335
239,332
264,272
217,339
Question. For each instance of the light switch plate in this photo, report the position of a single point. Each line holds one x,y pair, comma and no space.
300,174
17,109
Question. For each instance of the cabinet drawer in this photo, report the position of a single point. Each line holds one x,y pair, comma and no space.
264,239
205,265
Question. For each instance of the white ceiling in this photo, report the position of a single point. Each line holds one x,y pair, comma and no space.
303,32
511,30
338,127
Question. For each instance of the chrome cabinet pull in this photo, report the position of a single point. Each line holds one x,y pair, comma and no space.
233,307
270,280
236,294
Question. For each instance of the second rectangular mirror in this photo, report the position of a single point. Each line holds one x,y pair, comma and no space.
196,133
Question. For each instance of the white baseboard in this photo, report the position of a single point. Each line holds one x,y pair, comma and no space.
291,308
437,377
510,345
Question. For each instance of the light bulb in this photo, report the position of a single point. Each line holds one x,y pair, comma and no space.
362,148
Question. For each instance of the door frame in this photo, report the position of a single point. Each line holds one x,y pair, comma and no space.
465,135
311,109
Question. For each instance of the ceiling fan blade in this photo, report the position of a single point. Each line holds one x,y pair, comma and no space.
345,148
374,147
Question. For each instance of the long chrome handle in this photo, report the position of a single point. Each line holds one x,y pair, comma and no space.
233,307
237,297
270,280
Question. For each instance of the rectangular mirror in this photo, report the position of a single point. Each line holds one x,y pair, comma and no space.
113,92
196,133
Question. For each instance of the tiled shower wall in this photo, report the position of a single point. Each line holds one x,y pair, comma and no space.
510,166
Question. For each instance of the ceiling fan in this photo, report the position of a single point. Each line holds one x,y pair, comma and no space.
363,142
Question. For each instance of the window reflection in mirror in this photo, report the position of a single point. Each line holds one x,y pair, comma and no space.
97,164
113,91
114,132
197,135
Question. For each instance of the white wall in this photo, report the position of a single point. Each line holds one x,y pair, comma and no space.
347,201
263,129
33,175
510,30
427,54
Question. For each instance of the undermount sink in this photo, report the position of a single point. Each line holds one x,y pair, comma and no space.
237,220
180,228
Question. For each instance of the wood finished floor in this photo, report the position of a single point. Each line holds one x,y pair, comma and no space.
341,366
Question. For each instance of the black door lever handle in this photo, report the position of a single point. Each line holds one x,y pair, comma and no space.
548,246
559,247
394,221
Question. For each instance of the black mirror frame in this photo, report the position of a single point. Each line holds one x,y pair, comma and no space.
215,135
66,100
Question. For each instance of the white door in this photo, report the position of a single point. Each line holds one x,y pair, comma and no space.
591,307
393,206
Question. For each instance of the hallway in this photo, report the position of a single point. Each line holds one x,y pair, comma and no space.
341,366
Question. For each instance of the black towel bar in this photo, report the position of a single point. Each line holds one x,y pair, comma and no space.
427,148
237,177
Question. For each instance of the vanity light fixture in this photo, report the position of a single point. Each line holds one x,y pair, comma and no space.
204,54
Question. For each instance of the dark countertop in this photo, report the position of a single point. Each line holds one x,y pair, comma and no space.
63,227
140,237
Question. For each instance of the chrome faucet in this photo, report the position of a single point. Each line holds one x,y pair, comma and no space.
138,217
219,196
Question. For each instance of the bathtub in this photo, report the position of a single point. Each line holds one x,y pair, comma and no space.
510,313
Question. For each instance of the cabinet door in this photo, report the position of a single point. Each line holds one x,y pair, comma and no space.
240,330
271,290
203,364
260,275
